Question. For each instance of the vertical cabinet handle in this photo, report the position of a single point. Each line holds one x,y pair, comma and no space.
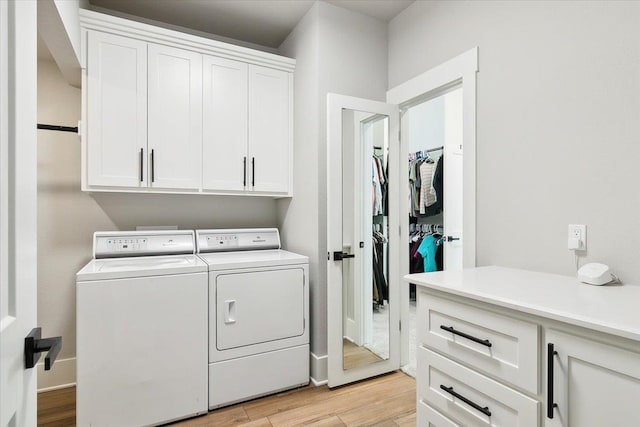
153,166
244,173
551,405
141,164
253,171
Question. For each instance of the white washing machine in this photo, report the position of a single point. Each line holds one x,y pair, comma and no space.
141,330
258,314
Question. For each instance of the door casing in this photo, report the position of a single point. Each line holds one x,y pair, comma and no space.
458,71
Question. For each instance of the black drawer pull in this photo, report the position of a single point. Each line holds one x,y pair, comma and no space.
550,403
141,164
244,173
253,171
467,336
153,166
485,410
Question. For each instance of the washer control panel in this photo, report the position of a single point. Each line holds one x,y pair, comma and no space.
142,243
227,240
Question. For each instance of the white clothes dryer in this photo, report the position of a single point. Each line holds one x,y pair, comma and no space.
141,330
258,314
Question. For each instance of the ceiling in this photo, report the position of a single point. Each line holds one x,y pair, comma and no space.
263,22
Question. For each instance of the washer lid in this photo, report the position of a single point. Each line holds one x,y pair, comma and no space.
120,268
250,259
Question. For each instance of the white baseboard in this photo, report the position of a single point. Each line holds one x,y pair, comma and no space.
319,373
61,375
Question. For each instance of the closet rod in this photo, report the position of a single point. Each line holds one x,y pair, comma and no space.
58,128
434,149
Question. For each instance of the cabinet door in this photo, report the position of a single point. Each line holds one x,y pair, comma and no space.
269,129
175,118
224,142
116,111
593,384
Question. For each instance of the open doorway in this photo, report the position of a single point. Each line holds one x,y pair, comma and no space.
457,79
453,85
434,181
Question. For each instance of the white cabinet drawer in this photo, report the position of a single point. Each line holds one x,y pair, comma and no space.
427,416
470,397
498,345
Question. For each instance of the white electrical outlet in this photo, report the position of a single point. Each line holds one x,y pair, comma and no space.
577,239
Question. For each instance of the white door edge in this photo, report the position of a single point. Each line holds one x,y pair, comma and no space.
18,216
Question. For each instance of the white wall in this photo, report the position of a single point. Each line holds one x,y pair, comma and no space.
339,51
298,217
59,27
68,217
426,126
558,122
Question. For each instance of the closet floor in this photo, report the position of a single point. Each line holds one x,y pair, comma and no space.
388,400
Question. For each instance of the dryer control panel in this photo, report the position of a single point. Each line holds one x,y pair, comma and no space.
227,240
113,244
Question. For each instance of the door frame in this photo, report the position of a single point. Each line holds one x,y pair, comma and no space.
458,71
336,375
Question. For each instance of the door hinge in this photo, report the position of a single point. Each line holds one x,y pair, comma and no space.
400,325
328,256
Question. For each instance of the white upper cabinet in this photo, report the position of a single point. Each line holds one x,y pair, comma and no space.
224,143
269,129
169,112
116,99
175,118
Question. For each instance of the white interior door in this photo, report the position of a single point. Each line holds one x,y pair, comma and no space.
453,175
363,306
18,255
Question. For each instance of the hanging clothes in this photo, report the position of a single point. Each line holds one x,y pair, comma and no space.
440,256
427,192
438,184
427,249
380,286
426,178
379,183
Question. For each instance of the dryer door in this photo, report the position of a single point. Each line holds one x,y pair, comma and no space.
259,306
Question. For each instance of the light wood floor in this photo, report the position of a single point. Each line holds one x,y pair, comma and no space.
357,356
386,401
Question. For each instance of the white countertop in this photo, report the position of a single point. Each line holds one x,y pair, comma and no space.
613,309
